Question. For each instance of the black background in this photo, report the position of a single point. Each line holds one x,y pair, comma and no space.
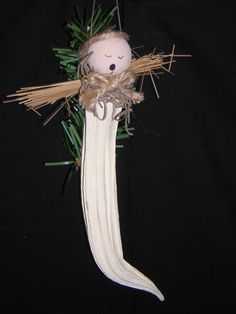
176,175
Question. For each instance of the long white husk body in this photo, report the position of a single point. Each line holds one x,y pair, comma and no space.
99,201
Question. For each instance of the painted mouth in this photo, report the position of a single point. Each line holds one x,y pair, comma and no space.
112,67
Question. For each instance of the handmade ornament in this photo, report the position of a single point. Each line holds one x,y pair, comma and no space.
107,72
109,60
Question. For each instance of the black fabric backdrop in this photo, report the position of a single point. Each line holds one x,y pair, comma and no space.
176,175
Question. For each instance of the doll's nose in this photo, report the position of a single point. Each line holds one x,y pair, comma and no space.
112,67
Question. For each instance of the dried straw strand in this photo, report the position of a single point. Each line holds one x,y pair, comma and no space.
146,64
39,96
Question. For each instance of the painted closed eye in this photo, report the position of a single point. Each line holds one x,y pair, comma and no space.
108,56
120,57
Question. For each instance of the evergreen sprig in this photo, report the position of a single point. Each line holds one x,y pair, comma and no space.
80,30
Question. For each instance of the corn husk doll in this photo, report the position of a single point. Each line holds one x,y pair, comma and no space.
106,90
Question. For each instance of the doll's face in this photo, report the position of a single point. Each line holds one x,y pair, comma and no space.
110,56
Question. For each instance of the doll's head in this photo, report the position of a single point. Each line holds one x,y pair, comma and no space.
107,53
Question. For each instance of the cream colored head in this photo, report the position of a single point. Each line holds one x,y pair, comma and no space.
108,53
